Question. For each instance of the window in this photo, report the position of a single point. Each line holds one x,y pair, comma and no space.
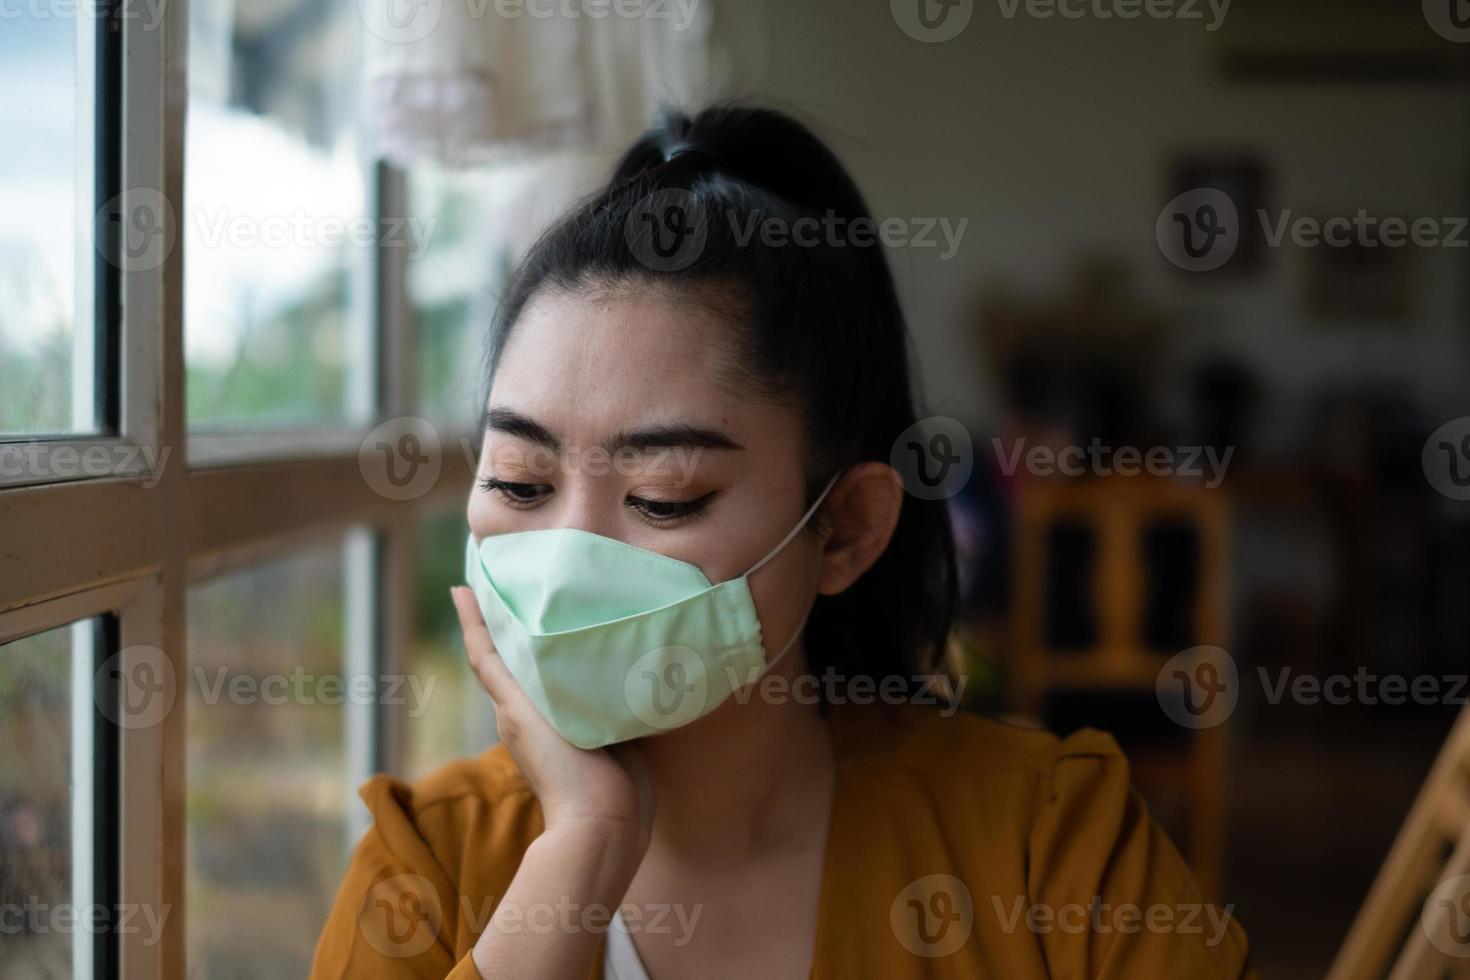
42,185
267,763
145,551
448,714
465,230
53,95
36,803
54,850
453,279
279,239
59,106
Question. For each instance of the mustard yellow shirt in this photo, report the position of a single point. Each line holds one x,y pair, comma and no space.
959,847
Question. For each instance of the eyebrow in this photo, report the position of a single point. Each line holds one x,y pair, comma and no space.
664,435
513,423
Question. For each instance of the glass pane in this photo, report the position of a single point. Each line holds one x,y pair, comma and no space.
461,721
452,285
277,237
37,887
267,765
467,228
41,182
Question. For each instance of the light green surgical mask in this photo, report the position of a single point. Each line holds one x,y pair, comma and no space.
611,641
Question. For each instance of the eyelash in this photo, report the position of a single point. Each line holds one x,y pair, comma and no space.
660,513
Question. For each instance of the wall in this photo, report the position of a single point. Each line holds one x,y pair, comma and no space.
1054,136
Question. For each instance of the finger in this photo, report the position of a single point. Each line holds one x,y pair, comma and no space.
484,658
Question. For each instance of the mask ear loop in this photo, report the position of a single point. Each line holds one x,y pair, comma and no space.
776,551
791,642
797,529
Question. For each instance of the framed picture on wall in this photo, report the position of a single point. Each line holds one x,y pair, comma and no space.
1241,175
1358,283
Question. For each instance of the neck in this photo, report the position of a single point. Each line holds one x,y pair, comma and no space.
755,774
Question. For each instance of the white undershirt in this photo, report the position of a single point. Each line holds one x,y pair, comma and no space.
620,958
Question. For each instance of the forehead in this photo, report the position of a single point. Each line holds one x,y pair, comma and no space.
609,357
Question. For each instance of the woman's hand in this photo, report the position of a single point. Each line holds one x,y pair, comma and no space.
598,811
609,787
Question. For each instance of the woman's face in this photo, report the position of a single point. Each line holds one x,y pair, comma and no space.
608,414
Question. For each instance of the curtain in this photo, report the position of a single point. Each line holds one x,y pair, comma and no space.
468,82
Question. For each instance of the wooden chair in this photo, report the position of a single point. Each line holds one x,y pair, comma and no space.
1432,847
1119,510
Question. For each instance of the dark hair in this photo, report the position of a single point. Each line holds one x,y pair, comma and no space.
822,327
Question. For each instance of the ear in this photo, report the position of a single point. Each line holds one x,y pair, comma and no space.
859,517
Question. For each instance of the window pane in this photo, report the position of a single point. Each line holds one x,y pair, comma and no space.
277,248
471,226
38,867
41,181
452,285
454,717
267,765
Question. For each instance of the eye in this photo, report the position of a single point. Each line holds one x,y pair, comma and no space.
666,512
515,494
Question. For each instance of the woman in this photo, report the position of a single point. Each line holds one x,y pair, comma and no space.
708,616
